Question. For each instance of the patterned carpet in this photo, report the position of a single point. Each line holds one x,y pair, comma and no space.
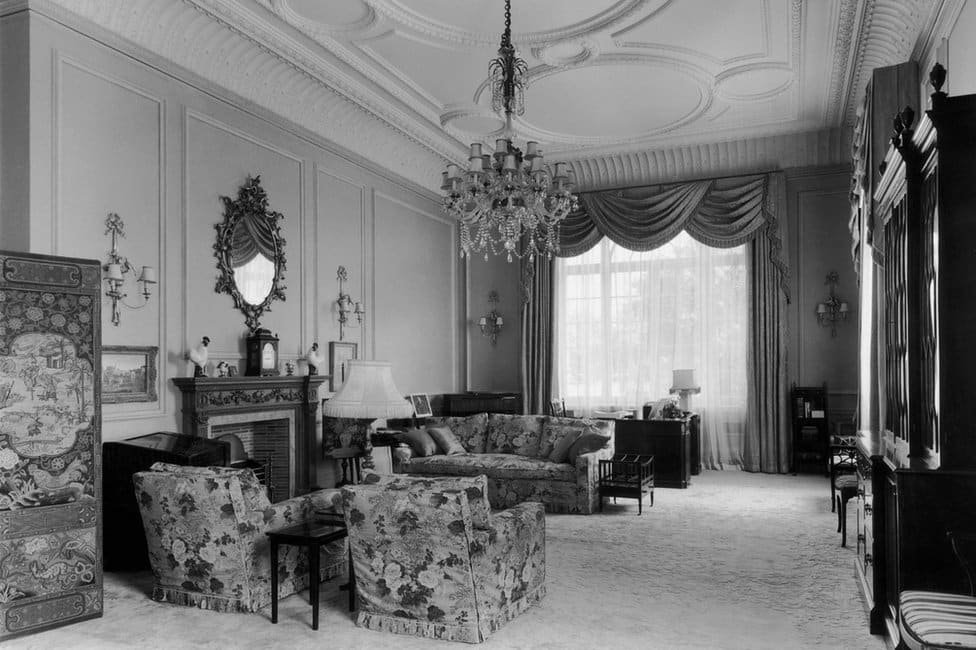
737,561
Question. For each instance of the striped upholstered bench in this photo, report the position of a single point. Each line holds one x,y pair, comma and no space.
930,619
933,619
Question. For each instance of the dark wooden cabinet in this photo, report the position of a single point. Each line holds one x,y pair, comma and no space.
669,441
125,540
918,468
811,435
471,403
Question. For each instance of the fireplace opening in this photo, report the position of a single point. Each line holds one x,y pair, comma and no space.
264,447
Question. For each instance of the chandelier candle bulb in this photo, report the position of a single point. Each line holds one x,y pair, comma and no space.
536,164
475,150
477,164
509,163
531,149
453,171
501,146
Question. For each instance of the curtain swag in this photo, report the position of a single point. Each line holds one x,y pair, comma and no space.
721,213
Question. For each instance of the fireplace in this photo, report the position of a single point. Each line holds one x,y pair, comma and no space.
276,416
266,441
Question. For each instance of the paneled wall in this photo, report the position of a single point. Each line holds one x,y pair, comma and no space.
819,243
113,131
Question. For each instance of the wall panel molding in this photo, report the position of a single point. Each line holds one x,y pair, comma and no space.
191,114
61,61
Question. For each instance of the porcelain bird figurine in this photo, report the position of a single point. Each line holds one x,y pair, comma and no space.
315,359
198,356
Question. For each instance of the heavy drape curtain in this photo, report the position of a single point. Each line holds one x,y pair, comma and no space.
720,213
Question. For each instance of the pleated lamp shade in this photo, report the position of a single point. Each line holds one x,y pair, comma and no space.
369,392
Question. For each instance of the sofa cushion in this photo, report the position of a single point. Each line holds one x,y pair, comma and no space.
560,451
447,443
471,431
514,434
420,442
554,428
585,444
495,466
475,487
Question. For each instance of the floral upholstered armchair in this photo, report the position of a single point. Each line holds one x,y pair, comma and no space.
432,560
205,530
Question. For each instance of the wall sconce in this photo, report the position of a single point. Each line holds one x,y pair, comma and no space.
116,268
345,304
832,310
491,323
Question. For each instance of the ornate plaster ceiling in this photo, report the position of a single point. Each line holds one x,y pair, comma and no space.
615,85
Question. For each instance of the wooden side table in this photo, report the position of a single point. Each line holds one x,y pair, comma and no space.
627,475
312,535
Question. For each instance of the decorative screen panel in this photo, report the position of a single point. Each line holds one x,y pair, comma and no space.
50,442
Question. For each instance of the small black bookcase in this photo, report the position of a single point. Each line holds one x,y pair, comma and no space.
811,436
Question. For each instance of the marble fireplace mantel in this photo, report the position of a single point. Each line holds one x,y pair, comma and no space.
211,401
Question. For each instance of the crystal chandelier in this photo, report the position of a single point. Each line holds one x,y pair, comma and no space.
509,196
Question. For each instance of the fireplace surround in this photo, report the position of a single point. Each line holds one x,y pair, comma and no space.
210,403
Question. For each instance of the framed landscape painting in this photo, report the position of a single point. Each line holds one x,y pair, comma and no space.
128,374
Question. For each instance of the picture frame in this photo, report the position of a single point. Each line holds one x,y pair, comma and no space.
129,374
340,352
421,405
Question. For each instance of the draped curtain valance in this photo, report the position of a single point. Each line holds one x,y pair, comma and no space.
253,234
721,213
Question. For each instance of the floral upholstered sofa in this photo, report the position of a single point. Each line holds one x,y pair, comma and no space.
552,460
432,560
205,530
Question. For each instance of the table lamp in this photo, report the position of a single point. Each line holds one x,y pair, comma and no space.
367,394
683,383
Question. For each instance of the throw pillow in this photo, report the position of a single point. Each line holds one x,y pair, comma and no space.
560,451
445,440
420,442
585,444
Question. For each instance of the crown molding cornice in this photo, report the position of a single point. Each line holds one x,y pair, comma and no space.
811,149
886,36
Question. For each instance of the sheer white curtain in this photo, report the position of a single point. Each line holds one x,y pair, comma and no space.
625,319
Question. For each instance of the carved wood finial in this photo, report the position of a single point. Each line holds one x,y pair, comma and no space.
937,77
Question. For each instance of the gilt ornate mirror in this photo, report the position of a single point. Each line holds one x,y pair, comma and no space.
250,252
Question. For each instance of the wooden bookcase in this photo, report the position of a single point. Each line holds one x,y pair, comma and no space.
811,434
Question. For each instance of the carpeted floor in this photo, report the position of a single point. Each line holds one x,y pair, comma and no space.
737,561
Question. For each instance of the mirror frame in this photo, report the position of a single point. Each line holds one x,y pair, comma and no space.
251,200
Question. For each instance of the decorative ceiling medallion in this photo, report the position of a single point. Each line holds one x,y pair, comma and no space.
753,82
613,15
475,119
309,16
567,53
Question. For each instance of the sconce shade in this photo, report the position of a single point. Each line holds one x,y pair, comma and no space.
368,393
821,308
148,275
683,379
115,272
844,308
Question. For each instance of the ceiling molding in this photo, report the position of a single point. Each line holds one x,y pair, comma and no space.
887,36
811,149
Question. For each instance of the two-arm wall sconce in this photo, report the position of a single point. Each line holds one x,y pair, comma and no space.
345,304
117,266
832,310
491,323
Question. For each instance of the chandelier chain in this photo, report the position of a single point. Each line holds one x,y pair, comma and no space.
508,202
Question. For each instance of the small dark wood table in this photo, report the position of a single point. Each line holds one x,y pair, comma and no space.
312,535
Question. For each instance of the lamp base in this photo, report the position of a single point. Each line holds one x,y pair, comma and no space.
684,396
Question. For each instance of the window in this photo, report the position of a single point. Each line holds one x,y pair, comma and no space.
626,319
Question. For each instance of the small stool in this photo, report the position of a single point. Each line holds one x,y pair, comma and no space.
846,489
